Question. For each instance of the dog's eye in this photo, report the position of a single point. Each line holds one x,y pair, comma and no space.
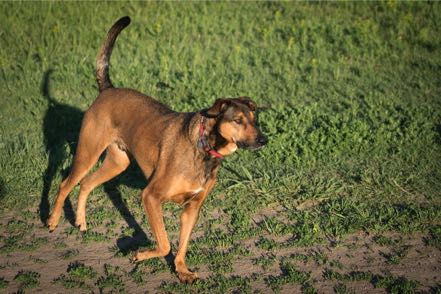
238,121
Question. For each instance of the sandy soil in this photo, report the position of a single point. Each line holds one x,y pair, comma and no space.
356,253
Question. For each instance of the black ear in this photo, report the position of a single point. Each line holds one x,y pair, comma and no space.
219,106
248,102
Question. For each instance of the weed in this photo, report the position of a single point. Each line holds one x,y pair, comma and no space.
81,271
301,257
212,284
267,244
221,263
70,283
60,244
336,263
3,283
71,231
118,252
77,274
274,226
113,279
319,257
37,260
395,285
70,253
397,254
127,231
33,244
352,276
90,236
342,289
18,243
434,237
27,279
290,274
139,274
11,243
156,265
265,261
384,241
18,227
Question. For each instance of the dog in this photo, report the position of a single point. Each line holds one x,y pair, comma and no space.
179,153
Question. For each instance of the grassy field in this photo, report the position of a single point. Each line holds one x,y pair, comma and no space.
345,198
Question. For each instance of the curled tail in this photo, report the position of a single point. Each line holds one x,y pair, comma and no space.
102,61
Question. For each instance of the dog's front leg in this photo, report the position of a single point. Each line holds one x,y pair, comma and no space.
153,208
189,218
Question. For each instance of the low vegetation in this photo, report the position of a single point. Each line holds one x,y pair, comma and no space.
349,95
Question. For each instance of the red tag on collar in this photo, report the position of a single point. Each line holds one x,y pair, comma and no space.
216,154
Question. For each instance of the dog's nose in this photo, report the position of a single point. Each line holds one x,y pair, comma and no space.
262,140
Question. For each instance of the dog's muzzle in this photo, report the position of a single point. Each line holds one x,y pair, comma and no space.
259,143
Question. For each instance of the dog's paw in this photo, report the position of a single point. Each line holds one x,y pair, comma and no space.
81,224
187,277
139,256
147,254
52,223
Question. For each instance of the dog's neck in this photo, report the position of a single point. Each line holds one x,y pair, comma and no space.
216,145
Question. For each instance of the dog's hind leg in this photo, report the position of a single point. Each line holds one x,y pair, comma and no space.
91,144
115,162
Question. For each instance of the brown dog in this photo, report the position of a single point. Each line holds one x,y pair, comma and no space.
179,153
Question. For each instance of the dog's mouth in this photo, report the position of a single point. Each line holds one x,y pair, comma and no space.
253,147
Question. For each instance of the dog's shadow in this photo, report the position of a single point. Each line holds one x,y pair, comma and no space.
61,127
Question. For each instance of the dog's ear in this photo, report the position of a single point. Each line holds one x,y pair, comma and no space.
219,106
248,102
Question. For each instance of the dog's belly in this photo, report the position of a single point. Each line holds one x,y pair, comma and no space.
185,197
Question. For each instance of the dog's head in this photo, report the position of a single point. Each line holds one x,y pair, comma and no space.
236,122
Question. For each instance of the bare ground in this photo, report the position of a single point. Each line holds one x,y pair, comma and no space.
359,252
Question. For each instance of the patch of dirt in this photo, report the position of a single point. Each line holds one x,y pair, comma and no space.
356,253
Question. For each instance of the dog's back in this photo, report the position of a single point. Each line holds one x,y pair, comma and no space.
119,110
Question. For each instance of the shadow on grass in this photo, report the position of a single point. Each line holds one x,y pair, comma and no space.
61,126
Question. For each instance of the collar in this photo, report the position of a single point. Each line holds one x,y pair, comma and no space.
203,142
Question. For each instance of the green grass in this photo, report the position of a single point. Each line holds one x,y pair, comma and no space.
265,262
70,253
318,257
350,96
390,283
435,237
213,284
81,271
3,283
342,289
77,276
69,282
291,275
384,240
27,279
19,243
397,254
112,279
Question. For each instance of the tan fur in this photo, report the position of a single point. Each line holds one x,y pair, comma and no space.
127,124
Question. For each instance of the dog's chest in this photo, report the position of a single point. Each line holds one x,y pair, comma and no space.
188,186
